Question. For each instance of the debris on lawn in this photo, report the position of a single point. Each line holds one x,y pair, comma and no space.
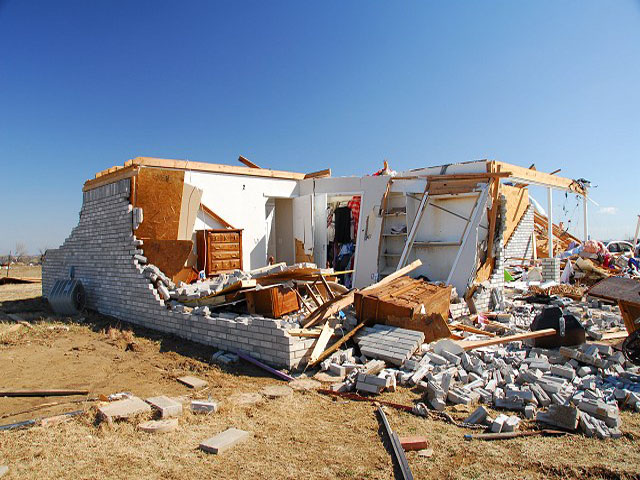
225,440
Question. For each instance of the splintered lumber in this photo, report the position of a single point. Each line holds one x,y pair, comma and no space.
42,393
398,451
258,363
470,345
323,340
327,287
337,345
329,308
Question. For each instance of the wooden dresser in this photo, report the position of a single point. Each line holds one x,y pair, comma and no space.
219,250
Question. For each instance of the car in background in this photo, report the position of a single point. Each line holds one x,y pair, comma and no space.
622,246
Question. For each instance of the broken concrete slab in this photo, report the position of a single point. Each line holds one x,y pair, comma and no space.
193,382
204,406
124,409
166,406
224,441
159,426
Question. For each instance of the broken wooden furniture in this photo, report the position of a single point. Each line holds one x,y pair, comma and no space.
273,301
219,250
408,303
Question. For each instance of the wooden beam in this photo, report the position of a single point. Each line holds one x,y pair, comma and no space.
470,345
216,217
391,277
540,178
42,393
323,340
467,328
107,178
319,174
213,168
337,345
247,162
329,308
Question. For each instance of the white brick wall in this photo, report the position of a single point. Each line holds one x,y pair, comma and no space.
101,249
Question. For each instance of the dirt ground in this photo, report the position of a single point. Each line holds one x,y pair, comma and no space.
306,435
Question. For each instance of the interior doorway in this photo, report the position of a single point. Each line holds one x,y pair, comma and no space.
343,217
279,230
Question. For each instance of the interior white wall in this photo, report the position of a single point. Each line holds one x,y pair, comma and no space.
241,201
284,230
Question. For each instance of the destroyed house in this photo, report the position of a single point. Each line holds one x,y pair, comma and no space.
154,223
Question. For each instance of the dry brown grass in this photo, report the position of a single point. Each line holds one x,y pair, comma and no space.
303,436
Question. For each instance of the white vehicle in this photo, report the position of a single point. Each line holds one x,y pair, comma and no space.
622,246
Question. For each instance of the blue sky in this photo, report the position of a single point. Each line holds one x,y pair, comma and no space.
307,85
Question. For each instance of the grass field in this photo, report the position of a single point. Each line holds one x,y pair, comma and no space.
306,435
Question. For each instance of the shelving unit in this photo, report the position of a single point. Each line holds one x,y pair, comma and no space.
394,216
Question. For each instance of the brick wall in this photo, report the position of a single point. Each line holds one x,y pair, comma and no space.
520,245
101,250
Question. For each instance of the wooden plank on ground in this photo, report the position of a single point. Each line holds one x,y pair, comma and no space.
42,393
470,345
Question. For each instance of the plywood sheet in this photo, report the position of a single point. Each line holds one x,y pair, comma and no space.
617,288
517,204
159,194
168,255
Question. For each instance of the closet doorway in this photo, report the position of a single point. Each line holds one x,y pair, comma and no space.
343,220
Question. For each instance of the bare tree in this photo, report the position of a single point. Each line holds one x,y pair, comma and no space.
42,252
20,251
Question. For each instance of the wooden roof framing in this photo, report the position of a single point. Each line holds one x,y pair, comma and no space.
131,167
535,177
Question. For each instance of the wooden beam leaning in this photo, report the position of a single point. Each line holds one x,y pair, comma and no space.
247,162
323,340
337,345
215,216
329,308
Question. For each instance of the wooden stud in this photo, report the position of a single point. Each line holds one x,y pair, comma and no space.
247,162
216,217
